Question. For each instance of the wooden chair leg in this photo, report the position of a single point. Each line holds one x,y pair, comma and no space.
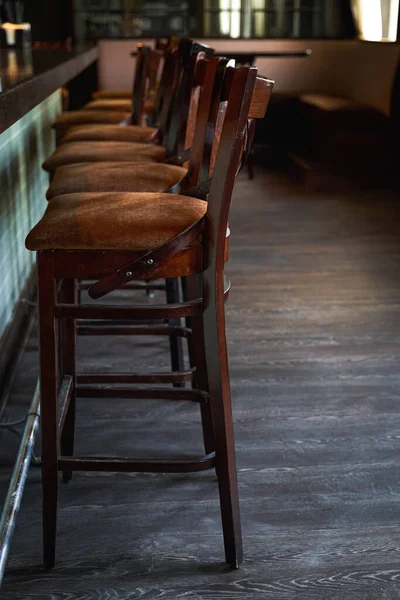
216,359
191,287
68,295
186,295
175,342
49,421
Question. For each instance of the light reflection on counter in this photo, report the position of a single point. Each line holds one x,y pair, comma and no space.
16,65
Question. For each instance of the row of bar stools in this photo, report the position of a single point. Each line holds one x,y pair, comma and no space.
119,107
124,94
114,237
179,80
121,100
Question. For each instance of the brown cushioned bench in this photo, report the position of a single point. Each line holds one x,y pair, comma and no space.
341,137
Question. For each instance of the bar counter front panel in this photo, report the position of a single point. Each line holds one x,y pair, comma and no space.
30,100
23,148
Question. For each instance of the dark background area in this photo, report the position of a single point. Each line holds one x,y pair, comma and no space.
57,20
52,20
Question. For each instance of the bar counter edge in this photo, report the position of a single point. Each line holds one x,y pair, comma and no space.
19,99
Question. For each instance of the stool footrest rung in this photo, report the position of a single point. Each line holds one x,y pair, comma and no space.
164,311
132,378
121,322
171,330
132,286
130,465
106,391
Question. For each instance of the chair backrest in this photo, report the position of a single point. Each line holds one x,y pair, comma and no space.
161,43
207,89
147,64
245,98
174,90
216,78
165,85
155,71
174,135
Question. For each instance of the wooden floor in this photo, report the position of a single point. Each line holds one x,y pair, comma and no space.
314,342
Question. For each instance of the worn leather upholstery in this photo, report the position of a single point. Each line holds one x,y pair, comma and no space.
116,104
114,177
114,221
80,152
112,93
80,117
109,104
115,133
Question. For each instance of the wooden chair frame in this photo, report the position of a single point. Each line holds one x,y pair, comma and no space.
203,247
147,65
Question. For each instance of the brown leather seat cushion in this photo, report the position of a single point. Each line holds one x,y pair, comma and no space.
115,133
114,221
80,152
109,104
80,117
114,177
117,104
113,93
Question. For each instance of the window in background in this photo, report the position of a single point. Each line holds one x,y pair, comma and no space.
376,20
214,18
230,16
96,19
278,18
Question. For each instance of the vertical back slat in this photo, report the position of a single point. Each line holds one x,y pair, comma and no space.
230,150
139,84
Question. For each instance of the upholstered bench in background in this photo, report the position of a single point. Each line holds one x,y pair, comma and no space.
340,139
327,140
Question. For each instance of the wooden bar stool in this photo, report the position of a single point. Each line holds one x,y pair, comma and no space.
115,238
124,94
118,111
174,54
131,110
122,100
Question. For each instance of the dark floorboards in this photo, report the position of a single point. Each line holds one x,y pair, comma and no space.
314,344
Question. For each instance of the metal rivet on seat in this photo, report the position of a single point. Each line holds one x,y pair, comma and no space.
150,261
128,274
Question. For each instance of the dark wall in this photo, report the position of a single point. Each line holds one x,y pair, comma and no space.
51,19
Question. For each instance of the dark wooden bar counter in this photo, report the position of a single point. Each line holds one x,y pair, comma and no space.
29,76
